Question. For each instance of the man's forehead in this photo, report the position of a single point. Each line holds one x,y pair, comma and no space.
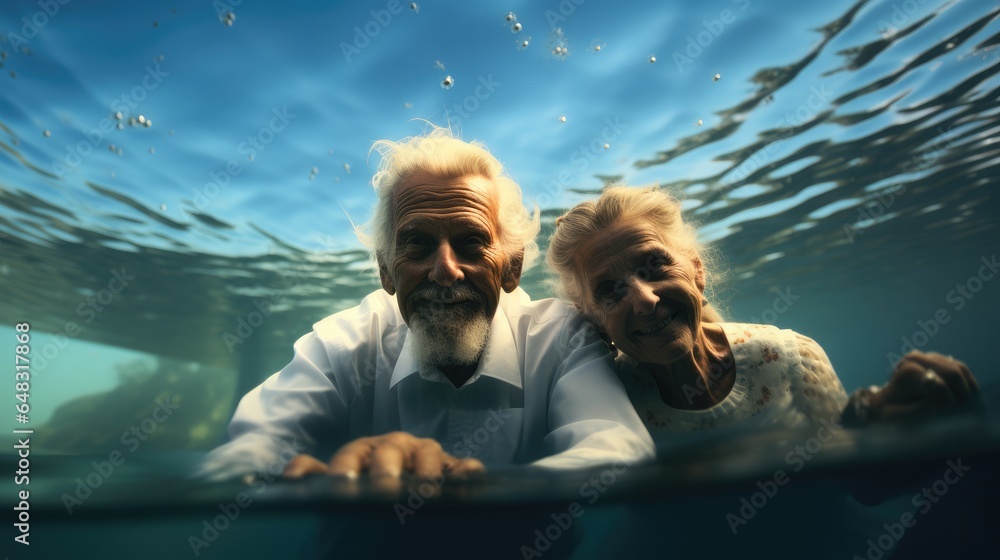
423,193
434,183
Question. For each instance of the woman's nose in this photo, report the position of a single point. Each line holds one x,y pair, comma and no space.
644,299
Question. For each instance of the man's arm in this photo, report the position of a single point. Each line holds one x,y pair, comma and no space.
590,417
295,411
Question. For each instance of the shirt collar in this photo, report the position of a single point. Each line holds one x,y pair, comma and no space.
500,361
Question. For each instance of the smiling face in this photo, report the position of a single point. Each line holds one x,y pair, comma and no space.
447,266
645,294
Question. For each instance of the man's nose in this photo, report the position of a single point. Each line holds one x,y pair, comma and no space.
445,270
644,299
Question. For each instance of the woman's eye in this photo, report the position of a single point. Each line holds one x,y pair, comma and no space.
658,267
609,292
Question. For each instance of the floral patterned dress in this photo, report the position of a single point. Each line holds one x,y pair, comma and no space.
782,379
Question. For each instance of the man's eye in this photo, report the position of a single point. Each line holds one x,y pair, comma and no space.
475,240
415,241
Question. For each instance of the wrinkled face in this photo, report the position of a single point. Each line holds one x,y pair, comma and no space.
645,294
446,258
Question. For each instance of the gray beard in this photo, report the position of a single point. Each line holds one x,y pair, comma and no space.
449,337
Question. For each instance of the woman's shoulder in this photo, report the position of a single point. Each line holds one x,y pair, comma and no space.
743,333
807,372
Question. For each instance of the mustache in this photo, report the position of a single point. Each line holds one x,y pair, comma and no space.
458,293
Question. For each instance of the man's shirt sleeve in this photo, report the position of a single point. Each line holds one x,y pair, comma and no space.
307,406
590,418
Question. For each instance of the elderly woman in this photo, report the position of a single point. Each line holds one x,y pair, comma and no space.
634,267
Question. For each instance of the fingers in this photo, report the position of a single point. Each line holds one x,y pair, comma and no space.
956,375
388,459
388,456
923,384
303,465
428,459
352,458
462,468
906,384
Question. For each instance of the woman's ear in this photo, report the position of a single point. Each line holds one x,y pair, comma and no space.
699,274
597,325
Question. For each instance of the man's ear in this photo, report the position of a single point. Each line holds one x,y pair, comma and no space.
699,275
512,273
383,275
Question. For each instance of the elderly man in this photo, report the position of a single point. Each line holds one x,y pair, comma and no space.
451,365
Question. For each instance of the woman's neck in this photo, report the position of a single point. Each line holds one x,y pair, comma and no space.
701,379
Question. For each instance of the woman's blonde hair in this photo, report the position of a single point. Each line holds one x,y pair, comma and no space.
628,204
440,154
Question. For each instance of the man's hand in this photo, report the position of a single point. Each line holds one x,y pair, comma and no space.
924,383
389,455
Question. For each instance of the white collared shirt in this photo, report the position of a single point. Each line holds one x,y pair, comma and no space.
545,392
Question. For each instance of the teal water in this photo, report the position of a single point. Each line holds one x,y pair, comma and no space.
844,164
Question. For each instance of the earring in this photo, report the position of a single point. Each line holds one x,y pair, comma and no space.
704,302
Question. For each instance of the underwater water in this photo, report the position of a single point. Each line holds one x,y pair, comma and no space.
178,180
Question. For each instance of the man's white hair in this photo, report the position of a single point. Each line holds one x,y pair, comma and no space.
440,154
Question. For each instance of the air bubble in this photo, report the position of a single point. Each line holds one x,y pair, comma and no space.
516,28
228,18
562,118
607,146
698,122
652,59
152,151
511,17
524,44
447,82
347,168
163,208
558,44
46,133
716,77
415,7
